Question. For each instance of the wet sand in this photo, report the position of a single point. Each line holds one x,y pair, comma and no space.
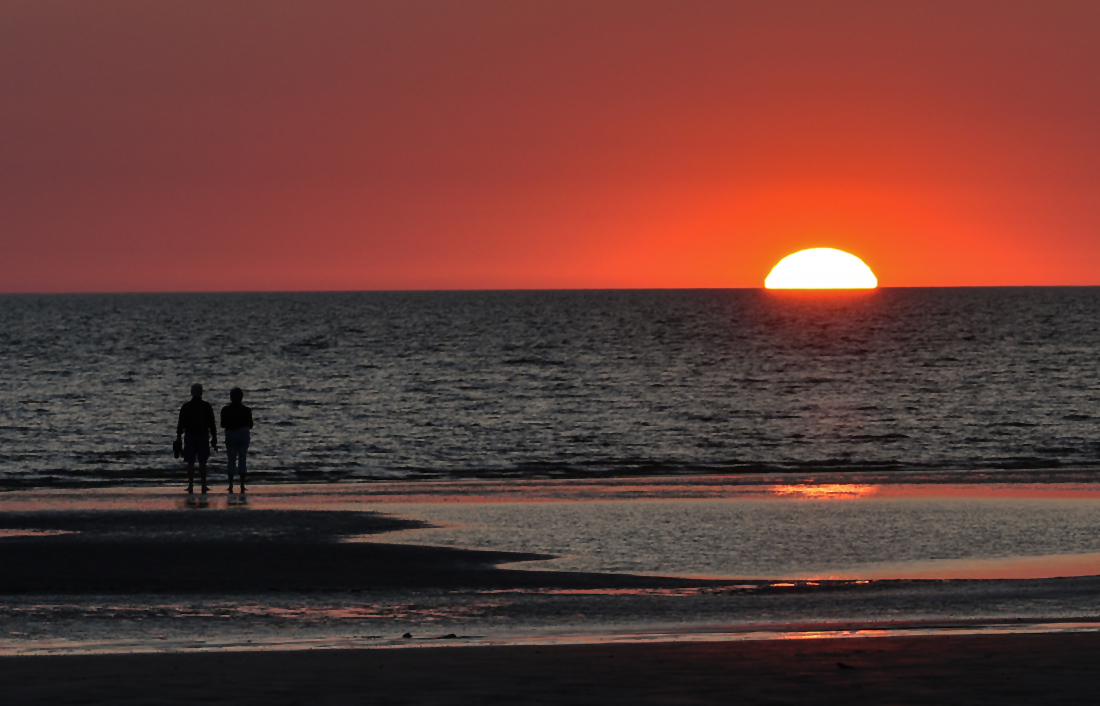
112,552
976,669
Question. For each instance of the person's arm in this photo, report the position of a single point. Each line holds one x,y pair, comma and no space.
213,426
249,411
179,424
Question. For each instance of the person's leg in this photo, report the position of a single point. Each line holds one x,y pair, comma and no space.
242,465
203,452
189,456
231,452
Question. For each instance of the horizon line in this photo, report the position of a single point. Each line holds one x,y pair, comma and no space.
538,289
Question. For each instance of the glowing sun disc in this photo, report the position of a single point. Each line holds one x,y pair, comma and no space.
821,268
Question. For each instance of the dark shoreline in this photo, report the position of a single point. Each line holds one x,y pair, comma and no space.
963,669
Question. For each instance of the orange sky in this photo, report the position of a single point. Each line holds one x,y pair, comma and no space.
266,145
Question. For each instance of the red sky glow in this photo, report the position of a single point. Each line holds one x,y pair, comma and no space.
155,145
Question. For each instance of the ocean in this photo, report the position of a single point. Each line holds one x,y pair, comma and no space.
545,384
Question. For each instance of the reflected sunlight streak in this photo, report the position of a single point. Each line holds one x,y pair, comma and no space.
825,492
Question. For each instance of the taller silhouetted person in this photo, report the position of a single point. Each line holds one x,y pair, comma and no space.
199,431
237,421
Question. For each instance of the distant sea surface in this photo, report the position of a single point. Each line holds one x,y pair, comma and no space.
356,386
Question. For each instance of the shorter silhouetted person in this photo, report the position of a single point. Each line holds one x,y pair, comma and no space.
237,421
196,426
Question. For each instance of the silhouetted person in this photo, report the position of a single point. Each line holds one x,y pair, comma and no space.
196,426
236,420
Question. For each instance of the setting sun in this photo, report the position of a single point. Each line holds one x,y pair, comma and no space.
821,268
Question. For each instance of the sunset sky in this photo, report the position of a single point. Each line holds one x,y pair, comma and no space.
153,145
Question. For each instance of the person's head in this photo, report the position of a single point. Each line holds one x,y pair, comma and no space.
236,394
196,391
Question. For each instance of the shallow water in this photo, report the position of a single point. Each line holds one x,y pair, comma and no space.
834,531
775,543
880,538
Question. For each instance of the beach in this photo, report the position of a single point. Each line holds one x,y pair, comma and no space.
975,669
419,593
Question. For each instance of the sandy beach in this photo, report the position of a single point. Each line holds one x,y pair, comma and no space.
304,596
984,669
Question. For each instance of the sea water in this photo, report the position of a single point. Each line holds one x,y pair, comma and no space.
357,386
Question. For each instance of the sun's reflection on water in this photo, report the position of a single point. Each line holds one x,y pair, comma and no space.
836,491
